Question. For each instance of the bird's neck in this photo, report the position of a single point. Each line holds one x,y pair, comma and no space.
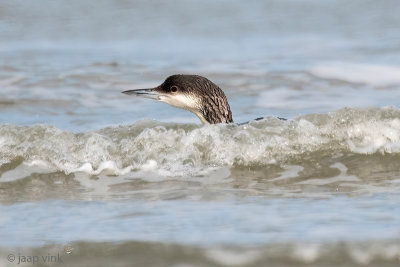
215,111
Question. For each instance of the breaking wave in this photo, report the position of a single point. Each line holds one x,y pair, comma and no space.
187,149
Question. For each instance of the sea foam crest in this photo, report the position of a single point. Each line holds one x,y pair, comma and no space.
182,149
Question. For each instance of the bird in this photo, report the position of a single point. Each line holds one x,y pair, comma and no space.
194,93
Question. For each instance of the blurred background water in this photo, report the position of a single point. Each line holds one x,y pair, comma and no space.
117,176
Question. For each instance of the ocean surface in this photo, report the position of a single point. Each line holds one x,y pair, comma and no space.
99,178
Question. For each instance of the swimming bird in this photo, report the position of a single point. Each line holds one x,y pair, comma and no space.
193,93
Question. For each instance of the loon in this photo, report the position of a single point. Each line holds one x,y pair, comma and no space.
193,93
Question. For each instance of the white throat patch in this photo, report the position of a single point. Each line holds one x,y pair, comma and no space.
183,101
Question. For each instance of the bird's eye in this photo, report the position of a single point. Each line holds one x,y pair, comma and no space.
174,89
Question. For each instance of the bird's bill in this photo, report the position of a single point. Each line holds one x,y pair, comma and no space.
147,93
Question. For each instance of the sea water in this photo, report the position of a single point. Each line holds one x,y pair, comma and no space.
101,178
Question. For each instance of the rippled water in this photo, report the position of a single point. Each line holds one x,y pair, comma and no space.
104,179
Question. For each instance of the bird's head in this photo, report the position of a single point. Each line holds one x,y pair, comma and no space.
191,92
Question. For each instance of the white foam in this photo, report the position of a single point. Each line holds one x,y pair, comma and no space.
149,165
371,136
283,98
374,74
182,150
364,256
307,253
233,258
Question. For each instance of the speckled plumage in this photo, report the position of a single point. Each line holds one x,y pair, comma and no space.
211,103
191,92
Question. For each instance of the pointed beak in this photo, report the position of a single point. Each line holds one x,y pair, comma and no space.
146,93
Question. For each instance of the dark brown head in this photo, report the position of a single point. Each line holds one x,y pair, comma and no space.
191,92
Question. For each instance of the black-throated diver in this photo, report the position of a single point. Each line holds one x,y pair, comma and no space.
194,93
191,92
